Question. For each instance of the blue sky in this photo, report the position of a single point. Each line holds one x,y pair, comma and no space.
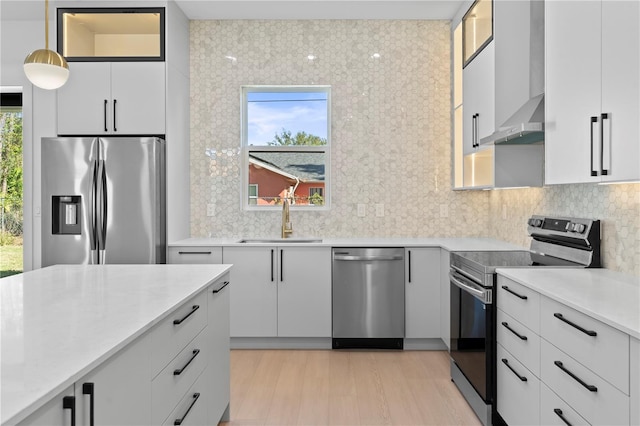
268,113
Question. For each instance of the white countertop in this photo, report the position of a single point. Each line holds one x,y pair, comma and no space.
608,296
451,244
59,323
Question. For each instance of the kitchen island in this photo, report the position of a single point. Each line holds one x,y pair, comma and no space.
64,323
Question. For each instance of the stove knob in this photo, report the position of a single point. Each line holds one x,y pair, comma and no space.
537,223
579,228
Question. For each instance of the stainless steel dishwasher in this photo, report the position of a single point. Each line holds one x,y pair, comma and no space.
368,298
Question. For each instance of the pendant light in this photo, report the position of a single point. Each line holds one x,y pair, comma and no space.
45,68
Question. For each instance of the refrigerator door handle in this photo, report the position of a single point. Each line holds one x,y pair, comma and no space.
92,205
101,184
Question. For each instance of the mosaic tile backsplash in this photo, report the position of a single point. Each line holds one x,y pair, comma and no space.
391,138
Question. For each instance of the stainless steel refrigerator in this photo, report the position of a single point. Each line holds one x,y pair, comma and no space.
103,200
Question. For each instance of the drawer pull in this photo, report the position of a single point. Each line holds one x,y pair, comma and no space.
591,388
180,370
508,290
226,283
194,252
506,325
559,414
505,362
69,403
584,330
193,309
179,421
88,389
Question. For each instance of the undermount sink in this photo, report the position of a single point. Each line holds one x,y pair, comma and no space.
280,240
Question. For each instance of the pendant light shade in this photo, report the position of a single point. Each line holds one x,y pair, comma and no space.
45,68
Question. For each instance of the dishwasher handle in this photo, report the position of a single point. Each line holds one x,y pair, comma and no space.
365,258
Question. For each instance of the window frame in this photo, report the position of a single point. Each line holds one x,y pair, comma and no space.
246,149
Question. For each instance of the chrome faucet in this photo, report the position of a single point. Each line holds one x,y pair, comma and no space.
287,228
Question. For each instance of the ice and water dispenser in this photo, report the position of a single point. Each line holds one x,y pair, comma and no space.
66,214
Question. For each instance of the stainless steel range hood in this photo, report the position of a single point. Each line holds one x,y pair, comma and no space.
519,73
525,126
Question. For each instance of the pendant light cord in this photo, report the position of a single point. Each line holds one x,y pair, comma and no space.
46,24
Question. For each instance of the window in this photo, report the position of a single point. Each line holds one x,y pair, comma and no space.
286,141
253,194
11,203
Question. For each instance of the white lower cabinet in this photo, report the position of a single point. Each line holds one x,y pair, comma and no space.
554,411
280,291
54,413
220,368
177,371
586,371
191,410
120,388
445,297
518,390
634,374
422,293
592,397
191,255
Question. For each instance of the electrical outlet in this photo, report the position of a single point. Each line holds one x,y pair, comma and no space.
362,210
444,210
211,210
379,210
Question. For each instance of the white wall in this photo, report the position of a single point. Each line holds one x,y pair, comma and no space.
17,39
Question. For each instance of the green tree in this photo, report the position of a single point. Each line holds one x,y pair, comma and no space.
301,138
11,169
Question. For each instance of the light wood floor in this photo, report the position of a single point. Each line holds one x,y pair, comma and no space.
300,387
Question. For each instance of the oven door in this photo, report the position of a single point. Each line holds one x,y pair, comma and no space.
472,333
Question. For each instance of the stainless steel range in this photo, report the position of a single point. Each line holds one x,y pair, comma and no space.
556,242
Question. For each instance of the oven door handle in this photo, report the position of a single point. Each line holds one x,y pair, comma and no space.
484,295
465,274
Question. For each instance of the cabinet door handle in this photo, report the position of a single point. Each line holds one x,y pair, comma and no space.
226,283
574,325
115,101
193,309
603,116
69,403
105,115
590,388
194,252
559,414
477,130
593,120
281,264
522,378
508,290
87,389
506,325
179,371
271,265
409,260
473,131
179,421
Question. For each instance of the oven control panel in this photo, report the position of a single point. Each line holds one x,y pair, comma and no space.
561,225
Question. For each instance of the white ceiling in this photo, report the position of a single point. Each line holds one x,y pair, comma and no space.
262,9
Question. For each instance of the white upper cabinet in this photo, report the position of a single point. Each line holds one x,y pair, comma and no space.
592,105
113,98
478,93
